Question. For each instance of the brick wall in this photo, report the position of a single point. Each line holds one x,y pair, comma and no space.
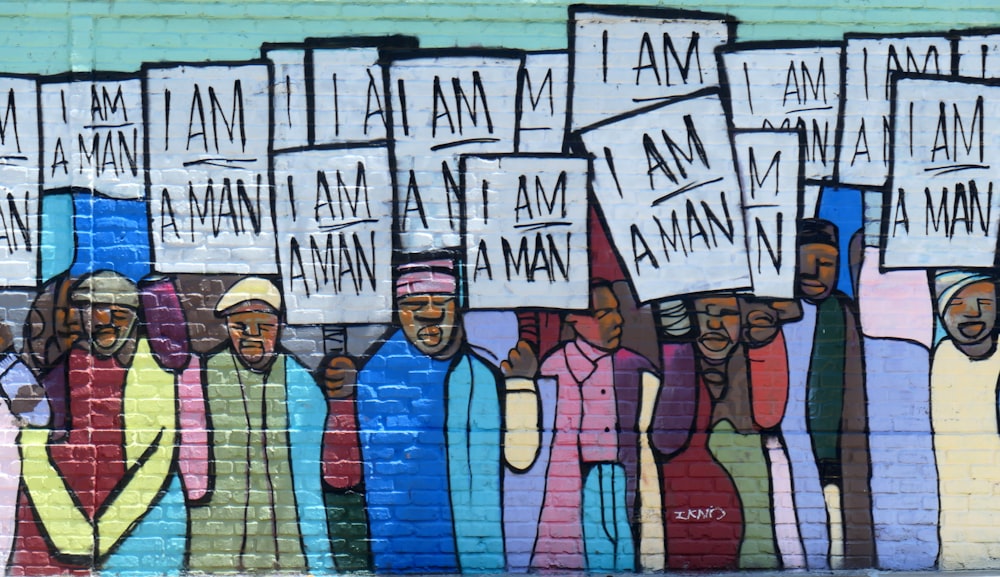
460,287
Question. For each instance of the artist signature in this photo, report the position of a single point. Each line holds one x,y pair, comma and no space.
704,514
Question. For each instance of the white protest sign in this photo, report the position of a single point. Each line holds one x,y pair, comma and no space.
544,82
788,86
666,182
20,204
625,58
209,198
444,103
92,133
978,55
288,96
348,95
526,232
334,210
941,210
771,170
863,139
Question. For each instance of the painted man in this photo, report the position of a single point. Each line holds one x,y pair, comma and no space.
430,418
825,423
964,373
264,508
87,487
593,507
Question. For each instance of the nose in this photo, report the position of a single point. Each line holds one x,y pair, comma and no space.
429,311
972,308
252,329
101,316
714,323
808,265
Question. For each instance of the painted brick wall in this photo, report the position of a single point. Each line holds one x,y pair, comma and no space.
463,287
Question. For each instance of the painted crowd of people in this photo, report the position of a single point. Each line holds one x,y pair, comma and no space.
163,426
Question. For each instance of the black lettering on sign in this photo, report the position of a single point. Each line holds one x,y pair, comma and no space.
683,232
109,150
540,204
463,107
233,123
15,221
800,84
956,127
764,243
909,64
103,106
646,60
656,162
966,207
756,181
343,204
10,121
216,207
341,261
547,256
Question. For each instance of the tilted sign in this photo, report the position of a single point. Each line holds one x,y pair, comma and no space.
666,182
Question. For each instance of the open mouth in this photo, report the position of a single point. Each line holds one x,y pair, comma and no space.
714,342
972,329
430,334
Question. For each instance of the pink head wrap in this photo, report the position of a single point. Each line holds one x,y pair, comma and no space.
426,277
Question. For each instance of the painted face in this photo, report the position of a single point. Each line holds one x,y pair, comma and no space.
429,320
718,326
603,327
254,336
761,318
818,267
970,316
107,326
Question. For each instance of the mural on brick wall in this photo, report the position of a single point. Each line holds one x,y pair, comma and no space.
660,301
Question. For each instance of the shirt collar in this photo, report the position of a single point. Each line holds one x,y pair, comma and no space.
583,358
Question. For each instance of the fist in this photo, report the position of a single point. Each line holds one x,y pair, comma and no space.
339,377
521,361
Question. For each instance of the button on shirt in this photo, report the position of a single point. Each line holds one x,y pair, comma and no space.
592,368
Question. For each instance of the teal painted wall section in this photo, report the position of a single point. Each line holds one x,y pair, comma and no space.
50,36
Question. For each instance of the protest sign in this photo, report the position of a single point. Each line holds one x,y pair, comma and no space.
100,149
20,184
210,199
940,207
665,179
526,231
289,88
544,81
624,58
445,102
334,210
